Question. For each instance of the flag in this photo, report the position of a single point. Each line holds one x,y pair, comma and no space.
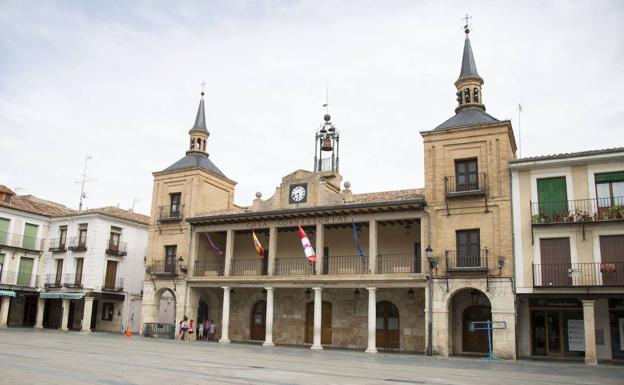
520,107
307,247
259,248
356,238
214,247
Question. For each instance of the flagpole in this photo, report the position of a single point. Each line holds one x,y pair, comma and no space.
519,131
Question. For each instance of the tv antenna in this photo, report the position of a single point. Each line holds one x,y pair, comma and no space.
84,180
467,26
134,201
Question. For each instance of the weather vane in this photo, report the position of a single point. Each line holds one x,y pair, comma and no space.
326,104
203,86
467,21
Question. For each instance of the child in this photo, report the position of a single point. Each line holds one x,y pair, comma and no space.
191,329
200,332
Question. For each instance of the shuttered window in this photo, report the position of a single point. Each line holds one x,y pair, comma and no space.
552,196
30,236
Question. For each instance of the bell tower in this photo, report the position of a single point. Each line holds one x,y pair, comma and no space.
469,83
199,133
327,147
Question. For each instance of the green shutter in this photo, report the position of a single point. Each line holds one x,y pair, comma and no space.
4,229
30,236
25,271
610,177
552,196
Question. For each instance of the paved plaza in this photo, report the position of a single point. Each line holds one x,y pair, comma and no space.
51,357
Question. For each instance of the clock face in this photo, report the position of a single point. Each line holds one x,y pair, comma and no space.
298,193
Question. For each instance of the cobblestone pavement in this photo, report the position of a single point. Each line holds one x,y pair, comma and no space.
52,357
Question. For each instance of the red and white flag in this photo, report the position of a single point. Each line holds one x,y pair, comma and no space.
307,247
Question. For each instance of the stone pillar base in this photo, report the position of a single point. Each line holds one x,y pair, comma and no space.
316,347
224,341
268,344
372,350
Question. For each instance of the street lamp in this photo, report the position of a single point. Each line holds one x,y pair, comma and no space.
181,264
433,261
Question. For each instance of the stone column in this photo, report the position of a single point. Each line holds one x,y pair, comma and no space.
40,310
320,247
372,320
272,249
268,335
86,315
372,246
65,316
225,320
589,325
4,311
229,252
318,308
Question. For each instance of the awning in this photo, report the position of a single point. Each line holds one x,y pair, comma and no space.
53,295
7,293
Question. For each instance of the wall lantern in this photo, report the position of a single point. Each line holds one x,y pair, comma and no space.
433,261
264,293
181,264
308,292
407,229
501,262
356,294
474,296
410,294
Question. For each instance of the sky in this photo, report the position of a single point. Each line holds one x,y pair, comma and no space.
121,81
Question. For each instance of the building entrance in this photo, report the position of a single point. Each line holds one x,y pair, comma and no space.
556,331
258,321
387,326
326,322
475,341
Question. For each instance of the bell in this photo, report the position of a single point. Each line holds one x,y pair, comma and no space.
326,145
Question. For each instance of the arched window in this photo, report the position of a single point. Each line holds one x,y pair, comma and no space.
467,95
192,143
475,95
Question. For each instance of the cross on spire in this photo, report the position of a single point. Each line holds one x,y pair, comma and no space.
203,86
467,21
326,104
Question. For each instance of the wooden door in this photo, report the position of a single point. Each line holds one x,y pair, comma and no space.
258,321
387,335
70,318
59,273
555,262
475,341
30,310
94,314
326,323
612,254
78,278
111,273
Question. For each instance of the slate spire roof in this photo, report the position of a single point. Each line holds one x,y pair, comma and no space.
200,119
468,67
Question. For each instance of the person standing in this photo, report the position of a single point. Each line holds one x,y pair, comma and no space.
200,330
184,327
211,332
206,329
191,329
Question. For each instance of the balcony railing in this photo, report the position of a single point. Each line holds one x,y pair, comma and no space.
20,241
117,285
119,249
345,265
578,274
477,261
170,213
76,244
15,278
208,268
293,266
397,263
58,245
53,281
72,281
577,211
161,268
465,185
249,267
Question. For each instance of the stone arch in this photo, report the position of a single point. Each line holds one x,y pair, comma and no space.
454,290
160,299
467,305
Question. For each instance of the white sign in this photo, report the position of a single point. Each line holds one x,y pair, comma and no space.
576,335
621,321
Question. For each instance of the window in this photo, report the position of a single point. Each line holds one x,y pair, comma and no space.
170,258
107,311
78,278
552,196
111,275
59,272
466,175
1,263
30,236
468,248
115,235
4,231
176,200
24,274
610,189
62,236
82,237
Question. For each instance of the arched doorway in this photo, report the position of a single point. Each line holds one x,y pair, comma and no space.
467,306
388,336
326,323
166,301
202,312
258,321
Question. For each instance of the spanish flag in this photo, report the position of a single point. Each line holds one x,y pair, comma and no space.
259,248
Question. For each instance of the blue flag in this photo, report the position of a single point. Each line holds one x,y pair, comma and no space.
356,238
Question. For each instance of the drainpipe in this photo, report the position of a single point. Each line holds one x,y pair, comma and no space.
513,264
429,350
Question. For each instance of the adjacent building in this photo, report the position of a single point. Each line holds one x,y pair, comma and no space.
568,226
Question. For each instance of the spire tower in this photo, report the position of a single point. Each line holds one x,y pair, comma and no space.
199,133
469,82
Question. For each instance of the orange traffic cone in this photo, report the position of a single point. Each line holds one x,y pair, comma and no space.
128,332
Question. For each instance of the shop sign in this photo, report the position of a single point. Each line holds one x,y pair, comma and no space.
554,303
576,335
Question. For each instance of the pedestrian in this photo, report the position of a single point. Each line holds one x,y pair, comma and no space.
180,330
191,329
211,333
206,329
185,329
200,330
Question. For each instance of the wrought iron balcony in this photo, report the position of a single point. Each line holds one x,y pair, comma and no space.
76,244
20,241
15,278
608,274
161,268
116,286
294,266
464,261
170,213
72,281
397,263
249,267
208,268
578,211
53,281
465,185
58,245
345,265
120,249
